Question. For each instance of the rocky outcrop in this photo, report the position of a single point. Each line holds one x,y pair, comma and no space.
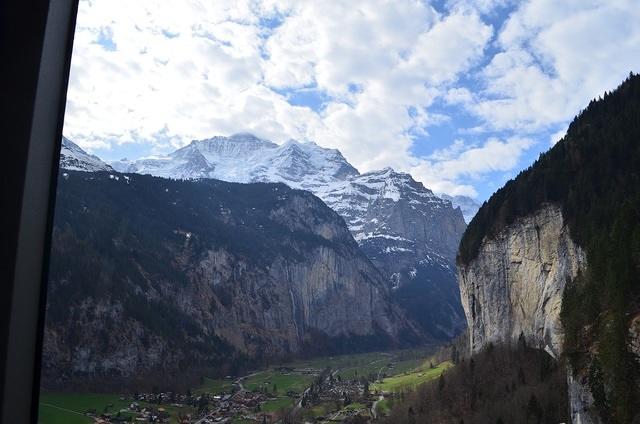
514,286
150,275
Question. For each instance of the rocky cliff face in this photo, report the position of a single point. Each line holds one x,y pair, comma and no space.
408,232
515,285
516,256
151,275
412,236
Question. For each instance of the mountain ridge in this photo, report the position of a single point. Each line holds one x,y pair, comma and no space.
73,157
406,230
152,276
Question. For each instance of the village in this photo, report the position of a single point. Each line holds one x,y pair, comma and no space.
344,389
238,403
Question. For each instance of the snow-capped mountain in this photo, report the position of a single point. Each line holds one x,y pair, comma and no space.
467,205
391,205
74,158
245,158
412,236
407,231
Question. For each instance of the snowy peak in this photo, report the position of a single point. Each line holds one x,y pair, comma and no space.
246,137
385,184
74,158
396,219
467,205
246,158
228,147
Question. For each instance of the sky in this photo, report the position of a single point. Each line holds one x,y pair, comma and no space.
462,94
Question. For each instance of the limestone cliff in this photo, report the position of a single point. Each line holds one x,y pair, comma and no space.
515,284
518,262
514,287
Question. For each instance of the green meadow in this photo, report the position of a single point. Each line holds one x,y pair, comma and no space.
410,379
70,408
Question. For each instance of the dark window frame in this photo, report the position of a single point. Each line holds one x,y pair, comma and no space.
37,40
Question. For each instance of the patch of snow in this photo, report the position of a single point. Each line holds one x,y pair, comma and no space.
393,249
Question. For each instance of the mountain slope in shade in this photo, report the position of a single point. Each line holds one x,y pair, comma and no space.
467,205
72,157
407,231
151,276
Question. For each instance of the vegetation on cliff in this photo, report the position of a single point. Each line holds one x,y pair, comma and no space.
594,174
501,384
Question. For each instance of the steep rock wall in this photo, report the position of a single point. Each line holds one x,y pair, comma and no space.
151,275
515,284
514,287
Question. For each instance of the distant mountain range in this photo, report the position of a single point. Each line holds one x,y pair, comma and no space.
406,230
246,158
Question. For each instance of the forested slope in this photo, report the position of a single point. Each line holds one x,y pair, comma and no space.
593,174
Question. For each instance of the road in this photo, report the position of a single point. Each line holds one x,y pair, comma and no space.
374,413
380,372
238,382
62,409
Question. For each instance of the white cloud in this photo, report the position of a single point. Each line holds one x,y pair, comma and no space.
483,6
449,152
443,169
556,56
557,136
164,72
181,71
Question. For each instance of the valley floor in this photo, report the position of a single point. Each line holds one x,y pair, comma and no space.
348,388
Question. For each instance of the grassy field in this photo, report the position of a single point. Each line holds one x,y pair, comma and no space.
284,381
69,408
275,405
51,415
365,369
404,371
364,364
411,379
355,406
215,386
384,406
342,362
